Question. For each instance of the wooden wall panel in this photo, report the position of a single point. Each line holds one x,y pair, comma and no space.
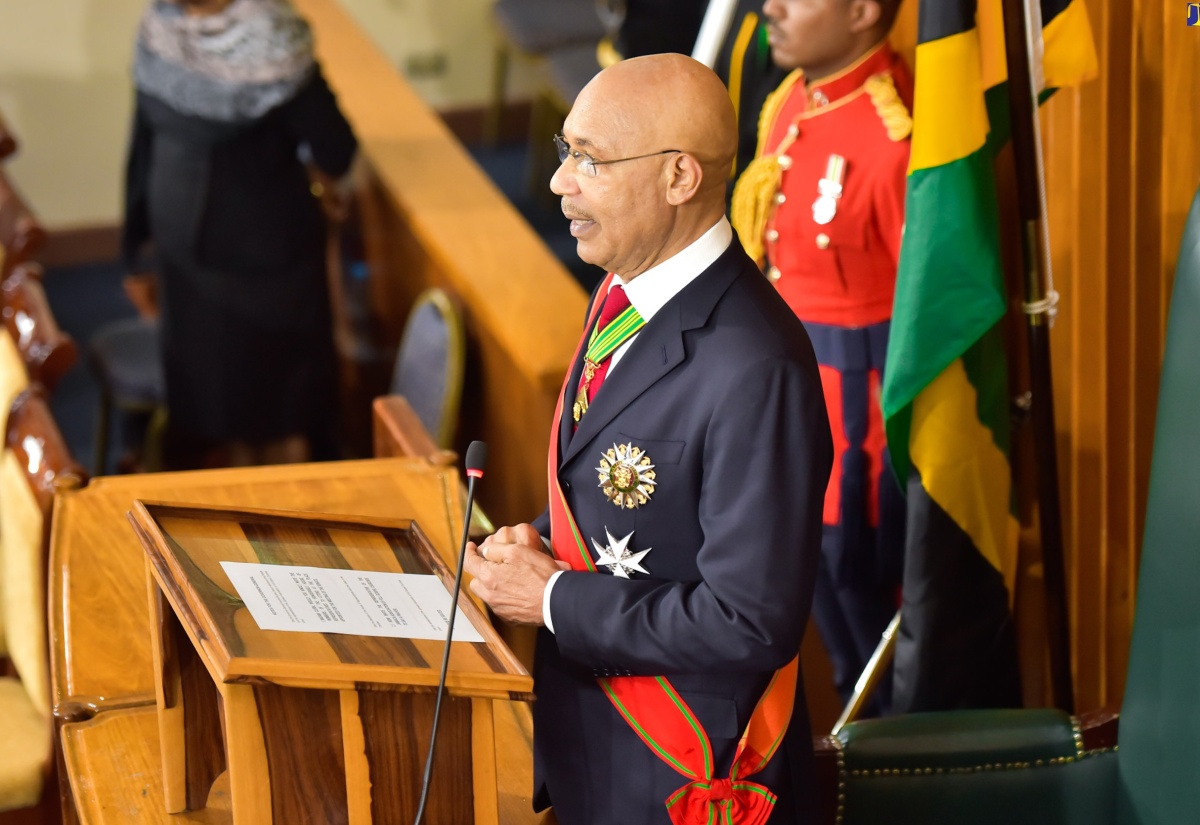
1121,169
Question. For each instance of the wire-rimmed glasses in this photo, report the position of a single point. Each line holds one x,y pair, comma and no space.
588,164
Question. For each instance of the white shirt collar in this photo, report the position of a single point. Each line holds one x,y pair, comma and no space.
651,290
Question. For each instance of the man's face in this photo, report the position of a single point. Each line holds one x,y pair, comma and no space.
809,34
620,217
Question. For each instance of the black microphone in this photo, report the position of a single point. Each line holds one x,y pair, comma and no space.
476,458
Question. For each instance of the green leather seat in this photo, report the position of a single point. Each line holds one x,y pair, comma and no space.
1029,766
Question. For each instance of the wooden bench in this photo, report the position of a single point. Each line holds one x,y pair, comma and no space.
20,233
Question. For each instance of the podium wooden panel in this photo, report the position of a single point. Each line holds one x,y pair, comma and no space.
314,727
115,765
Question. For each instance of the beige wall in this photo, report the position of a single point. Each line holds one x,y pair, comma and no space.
460,29
65,88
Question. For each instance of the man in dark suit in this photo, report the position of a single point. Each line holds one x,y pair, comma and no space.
687,469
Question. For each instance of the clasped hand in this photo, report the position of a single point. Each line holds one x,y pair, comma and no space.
510,571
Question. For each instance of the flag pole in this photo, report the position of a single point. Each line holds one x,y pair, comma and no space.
869,679
1040,306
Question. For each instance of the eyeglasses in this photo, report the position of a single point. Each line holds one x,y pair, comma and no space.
587,164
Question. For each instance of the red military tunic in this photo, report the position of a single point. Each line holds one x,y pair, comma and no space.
844,141
842,272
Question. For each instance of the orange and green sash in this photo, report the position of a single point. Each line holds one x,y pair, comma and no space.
659,715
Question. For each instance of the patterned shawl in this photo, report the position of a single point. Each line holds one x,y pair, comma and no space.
232,66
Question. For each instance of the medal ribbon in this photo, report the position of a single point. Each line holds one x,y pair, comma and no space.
602,344
659,715
605,342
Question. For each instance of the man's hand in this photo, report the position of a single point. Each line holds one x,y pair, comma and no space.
510,571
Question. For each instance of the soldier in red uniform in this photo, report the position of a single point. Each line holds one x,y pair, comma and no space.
822,209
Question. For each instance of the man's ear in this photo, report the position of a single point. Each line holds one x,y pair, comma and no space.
864,15
684,176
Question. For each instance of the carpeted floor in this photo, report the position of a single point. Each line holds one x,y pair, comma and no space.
84,298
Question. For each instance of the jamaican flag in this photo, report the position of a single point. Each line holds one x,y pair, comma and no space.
945,398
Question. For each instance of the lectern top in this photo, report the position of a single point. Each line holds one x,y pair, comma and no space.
185,545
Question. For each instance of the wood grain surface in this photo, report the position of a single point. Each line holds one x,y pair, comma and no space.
99,616
116,771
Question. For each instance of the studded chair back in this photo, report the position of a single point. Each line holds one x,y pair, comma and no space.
430,363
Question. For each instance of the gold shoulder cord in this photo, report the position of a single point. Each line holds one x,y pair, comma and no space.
889,106
754,193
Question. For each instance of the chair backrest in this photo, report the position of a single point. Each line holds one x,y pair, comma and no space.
46,350
35,464
1159,742
430,363
20,233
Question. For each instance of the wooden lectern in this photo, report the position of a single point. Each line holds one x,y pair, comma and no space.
316,728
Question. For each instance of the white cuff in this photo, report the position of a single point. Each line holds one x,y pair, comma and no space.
546,600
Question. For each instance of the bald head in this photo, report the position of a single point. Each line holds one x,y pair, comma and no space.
668,101
662,133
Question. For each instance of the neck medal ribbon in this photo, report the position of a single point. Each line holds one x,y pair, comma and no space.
603,343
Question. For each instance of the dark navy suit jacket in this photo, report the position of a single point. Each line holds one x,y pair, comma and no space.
722,391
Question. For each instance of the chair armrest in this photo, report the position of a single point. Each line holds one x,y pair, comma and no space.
982,767
47,351
398,432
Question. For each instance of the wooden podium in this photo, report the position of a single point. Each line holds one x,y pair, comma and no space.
318,728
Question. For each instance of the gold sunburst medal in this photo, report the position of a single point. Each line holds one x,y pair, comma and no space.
626,475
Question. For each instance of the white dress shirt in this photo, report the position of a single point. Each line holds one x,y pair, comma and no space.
648,293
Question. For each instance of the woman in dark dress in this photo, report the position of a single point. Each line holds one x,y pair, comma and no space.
232,118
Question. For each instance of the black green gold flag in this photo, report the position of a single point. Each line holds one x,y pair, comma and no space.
945,397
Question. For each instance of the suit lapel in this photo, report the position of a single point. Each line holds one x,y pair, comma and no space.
657,350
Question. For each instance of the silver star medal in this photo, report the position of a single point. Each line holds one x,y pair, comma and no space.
618,558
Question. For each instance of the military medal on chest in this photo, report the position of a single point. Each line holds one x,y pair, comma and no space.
830,189
626,475
617,556
580,406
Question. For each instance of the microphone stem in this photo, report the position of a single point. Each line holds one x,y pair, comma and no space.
437,706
